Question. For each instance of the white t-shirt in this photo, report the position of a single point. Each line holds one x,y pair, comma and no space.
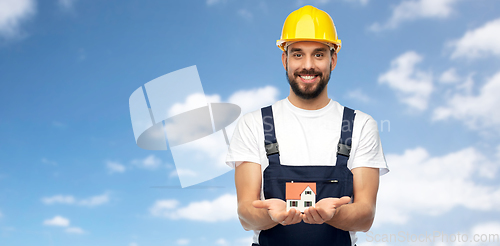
307,137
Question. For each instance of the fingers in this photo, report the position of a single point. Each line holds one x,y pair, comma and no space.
325,215
323,211
304,218
293,217
312,216
281,217
317,218
296,217
276,209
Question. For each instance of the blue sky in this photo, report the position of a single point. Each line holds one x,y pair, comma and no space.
72,174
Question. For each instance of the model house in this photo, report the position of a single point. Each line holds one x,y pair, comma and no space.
300,195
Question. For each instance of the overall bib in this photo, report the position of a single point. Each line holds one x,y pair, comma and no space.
331,181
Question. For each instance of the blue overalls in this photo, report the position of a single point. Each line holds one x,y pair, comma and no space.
331,181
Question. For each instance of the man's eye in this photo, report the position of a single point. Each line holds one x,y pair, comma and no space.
319,55
297,55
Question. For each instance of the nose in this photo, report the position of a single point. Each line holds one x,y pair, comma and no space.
308,63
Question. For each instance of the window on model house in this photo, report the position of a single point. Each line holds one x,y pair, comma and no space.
308,192
294,203
308,203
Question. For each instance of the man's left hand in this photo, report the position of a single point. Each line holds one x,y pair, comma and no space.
324,210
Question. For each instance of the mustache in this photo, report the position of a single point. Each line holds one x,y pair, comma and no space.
307,72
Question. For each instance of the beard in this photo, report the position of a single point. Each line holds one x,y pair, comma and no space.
310,91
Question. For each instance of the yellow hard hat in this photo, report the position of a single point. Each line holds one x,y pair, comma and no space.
309,24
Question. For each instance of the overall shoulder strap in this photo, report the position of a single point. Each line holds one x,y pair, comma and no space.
270,141
344,146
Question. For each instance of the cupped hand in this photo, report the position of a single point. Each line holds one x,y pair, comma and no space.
323,210
277,211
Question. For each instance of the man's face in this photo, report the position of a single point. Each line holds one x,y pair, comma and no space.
308,66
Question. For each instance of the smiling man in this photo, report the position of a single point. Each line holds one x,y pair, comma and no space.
309,140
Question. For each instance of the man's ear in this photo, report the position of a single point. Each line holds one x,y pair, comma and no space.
283,59
334,61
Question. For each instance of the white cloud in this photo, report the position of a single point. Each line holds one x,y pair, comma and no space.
450,179
115,167
245,241
95,200
161,206
74,230
221,241
253,99
88,202
204,158
484,234
67,5
183,172
358,95
57,221
247,100
151,162
193,101
63,222
221,209
12,14
449,76
476,111
477,43
183,241
409,10
487,232
412,85
58,199
466,86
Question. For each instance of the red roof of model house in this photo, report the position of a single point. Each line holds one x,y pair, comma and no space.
294,190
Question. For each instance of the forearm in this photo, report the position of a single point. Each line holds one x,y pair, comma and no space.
353,217
252,218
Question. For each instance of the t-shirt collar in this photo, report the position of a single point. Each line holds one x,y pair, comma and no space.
308,113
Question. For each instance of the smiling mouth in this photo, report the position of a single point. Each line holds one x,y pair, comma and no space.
308,78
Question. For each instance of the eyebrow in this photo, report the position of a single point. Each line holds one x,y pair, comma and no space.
320,49
315,50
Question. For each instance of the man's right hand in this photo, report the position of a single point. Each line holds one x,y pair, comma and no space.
277,211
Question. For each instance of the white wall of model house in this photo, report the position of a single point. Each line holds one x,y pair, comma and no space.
307,199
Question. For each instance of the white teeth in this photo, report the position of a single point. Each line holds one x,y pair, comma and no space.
307,77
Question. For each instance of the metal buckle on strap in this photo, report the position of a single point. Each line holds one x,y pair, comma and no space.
272,148
343,149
